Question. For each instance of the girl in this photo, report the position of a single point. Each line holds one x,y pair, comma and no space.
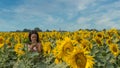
35,45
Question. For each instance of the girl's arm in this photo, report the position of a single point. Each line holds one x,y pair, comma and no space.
39,48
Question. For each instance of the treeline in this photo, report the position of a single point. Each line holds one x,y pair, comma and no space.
27,30
40,30
37,29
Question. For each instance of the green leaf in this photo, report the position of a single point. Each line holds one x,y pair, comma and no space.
119,57
108,65
31,55
60,65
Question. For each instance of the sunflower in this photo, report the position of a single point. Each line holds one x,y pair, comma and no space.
63,49
112,32
109,41
18,49
57,60
100,35
79,58
107,37
77,37
46,48
85,34
114,49
56,49
8,42
98,41
1,41
75,42
86,44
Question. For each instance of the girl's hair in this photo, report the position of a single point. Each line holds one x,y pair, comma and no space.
33,32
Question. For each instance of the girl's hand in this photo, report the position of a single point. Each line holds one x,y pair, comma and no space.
39,47
33,45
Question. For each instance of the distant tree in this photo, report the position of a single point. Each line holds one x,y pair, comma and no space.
47,30
38,29
94,29
63,31
80,29
18,31
87,29
26,30
104,29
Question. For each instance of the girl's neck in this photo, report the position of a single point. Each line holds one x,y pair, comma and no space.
34,42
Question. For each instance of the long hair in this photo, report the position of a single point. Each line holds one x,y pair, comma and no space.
33,32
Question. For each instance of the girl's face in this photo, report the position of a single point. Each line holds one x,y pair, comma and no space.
33,38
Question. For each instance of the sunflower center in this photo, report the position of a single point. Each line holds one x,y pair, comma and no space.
67,48
1,40
98,41
114,49
80,60
109,41
99,35
84,46
9,44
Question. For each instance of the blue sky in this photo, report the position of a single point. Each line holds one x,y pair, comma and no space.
69,15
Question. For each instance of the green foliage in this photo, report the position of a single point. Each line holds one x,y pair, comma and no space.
7,57
104,58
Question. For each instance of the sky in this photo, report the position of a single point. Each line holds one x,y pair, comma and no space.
70,15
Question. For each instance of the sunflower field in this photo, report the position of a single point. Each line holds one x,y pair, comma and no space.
78,49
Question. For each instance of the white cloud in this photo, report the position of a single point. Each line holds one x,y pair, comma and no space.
110,18
84,4
4,25
30,9
78,5
53,20
107,21
105,16
83,20
35,10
